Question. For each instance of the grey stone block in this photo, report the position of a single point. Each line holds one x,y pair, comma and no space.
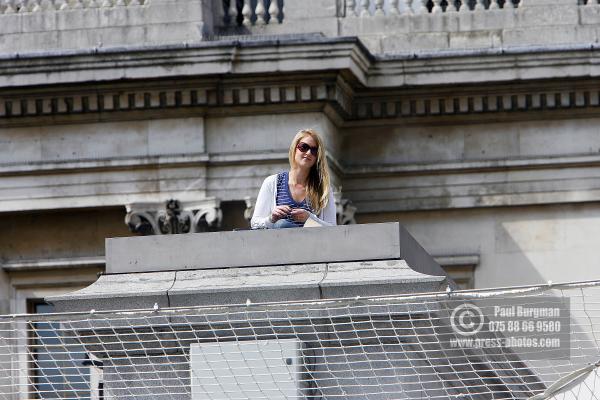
11,24
314,8
546,35
267,247
485,21
32,22
247,286
237,285
589,15
186,135
376,278
118,292
178,32
479,39
259,266
78,20
538,16
429,40
19,42
429,23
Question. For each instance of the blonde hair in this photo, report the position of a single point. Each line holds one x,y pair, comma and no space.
317,187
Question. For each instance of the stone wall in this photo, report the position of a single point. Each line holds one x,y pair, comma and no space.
471,165
58,235
530,24
67,25
516,245
415,133
385,27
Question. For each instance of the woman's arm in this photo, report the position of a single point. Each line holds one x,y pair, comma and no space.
327,217
261,218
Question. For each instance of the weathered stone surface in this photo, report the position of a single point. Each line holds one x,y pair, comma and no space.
155,22
238,286
376,278
420,129
167,22
114,292
259,266
267,247
415,130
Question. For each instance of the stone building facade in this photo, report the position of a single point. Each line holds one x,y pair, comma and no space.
473,123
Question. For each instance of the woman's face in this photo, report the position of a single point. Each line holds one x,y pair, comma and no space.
307,159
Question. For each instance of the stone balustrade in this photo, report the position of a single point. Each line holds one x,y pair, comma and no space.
29,6
249,13
415,26
374,8
384,26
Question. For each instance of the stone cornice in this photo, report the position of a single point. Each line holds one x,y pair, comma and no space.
101,164
185,60
347,105
579,96
338,76
484,66
298,55
219,96
580,161
52,263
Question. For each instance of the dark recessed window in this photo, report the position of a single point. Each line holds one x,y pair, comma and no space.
58,362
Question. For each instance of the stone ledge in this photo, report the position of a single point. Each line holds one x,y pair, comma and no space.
52,263
237,286
346,243
226,268
309,55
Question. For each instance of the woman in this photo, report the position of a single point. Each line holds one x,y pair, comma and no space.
288,199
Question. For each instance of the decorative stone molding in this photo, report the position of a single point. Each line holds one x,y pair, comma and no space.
249,207
339,73
210,96
344,210
501,100
173,217
345,103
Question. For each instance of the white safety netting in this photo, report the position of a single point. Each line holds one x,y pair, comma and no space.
393,347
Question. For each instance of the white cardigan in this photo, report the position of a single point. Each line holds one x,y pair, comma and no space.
266,200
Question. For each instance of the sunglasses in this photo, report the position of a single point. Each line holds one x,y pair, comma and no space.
303,147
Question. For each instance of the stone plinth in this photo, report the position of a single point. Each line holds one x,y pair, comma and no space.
268,247
226,268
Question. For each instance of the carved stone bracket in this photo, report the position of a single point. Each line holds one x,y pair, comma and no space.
249,207
173,216
343,208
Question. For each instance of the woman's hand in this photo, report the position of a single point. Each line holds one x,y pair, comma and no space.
280,212
300,214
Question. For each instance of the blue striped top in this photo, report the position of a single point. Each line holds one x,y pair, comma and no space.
284,197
